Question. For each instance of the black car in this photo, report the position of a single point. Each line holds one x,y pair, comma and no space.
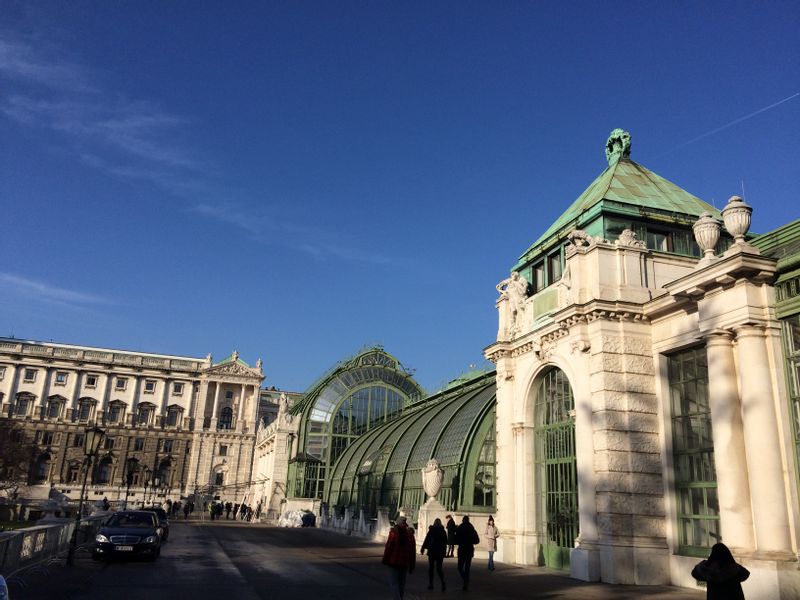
128,533
163,520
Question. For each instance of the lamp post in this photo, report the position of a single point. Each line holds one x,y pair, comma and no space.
131,466
154,494
92,441
146,473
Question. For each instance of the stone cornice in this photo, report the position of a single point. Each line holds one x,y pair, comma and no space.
722,273
543,339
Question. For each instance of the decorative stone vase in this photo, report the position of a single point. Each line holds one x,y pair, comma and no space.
706,233
432,478
736,215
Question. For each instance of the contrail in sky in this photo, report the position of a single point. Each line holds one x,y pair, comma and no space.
731,124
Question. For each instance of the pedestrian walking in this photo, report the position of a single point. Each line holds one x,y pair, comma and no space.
723,575
466,538
400,556
491,535
436,545
228,509
451,536
186,511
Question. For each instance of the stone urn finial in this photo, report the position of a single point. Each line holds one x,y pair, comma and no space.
736,215
706,232
432,478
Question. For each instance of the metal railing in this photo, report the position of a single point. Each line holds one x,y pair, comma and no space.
25,548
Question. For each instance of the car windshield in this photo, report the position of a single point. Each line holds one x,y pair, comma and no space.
159,511
130,520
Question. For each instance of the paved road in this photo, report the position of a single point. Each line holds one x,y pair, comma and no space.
256,562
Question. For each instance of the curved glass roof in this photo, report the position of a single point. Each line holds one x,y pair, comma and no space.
355,396
443,426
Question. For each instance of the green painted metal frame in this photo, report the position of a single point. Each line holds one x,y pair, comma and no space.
556,468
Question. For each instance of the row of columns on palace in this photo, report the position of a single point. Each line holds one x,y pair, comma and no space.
72,391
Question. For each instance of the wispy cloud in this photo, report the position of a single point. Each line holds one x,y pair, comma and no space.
30,288
136,140
61,97
20,61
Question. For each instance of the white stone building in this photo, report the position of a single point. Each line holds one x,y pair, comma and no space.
189,422
643,404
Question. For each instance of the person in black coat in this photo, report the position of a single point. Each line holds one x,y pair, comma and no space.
436,545
722,574
466,538
451,536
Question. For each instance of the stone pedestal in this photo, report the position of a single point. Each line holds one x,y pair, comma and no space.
429,512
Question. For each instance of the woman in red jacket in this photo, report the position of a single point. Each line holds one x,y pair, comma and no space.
400,555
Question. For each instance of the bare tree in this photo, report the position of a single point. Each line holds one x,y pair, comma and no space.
16,454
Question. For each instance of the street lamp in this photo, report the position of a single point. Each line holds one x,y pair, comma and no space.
146,473
131,466
92,441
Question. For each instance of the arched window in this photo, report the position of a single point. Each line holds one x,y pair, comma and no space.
42,468
174,415
24,404
54,406
116,412
144,415
104,470
85,409
556,466
225,418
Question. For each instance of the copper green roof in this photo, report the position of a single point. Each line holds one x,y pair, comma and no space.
234,357
627,183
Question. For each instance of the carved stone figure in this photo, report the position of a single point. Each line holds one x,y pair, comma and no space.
515,288
618,145
579,237
432,478
628,238
283,410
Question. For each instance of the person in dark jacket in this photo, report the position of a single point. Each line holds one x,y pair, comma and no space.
436,545
400,555
451,536
466,538
722,574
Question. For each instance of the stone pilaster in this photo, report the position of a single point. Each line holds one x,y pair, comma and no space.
762,444
733,489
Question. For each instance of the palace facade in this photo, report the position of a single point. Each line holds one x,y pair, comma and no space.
186,424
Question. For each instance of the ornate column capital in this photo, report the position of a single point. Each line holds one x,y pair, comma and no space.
749,330
719,337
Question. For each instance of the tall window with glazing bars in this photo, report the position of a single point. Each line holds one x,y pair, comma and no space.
693,452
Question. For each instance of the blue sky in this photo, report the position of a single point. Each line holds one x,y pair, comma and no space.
295,180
